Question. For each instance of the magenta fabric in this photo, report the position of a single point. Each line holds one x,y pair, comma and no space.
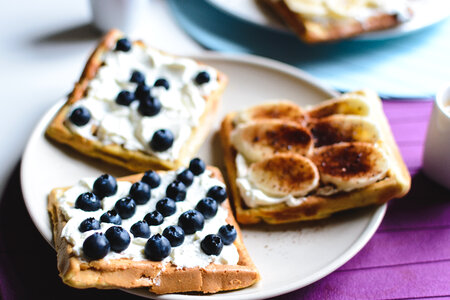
408,257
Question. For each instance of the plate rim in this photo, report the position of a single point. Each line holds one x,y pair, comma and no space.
352,250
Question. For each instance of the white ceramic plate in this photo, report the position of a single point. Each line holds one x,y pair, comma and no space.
289,256
426,13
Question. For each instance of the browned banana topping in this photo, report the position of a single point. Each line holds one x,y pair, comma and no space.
285,138
343,128
346,161
346,106
258,140
350,166
285,174
336,145
325,133
285,110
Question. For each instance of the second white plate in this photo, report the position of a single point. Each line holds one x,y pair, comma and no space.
426,13
289,256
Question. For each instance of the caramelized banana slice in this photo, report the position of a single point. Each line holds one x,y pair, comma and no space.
282,110
354,103
343,128
350,166
284,174
309,8
259,140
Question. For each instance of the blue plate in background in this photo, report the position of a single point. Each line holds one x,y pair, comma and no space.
413,65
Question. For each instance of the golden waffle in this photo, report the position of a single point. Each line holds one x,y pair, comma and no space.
158,277
349,159
114,152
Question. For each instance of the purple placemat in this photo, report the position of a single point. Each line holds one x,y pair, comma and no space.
408,257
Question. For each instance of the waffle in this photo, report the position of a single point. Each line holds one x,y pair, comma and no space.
159,277
308,164
332,26
135,157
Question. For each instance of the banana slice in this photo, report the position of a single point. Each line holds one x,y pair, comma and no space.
343,9
354,103
309,8
350,166
284,174
259,140
343,128
282,110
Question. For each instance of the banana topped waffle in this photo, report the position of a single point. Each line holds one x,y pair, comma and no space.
326,20
287,163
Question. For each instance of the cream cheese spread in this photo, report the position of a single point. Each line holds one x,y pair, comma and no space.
182,104
188,254
360,10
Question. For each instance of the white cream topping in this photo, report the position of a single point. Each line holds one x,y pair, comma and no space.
188,255
335,10
254,197
182,105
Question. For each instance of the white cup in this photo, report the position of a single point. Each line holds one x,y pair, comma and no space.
126,15
436,157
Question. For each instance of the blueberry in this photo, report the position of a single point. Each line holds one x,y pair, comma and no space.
111,216
227,233
142,92
208,207
154,218
140,192
137,77
105,186
202,77
166,207
212,244
191,221
126,207
123,45
149,106
89,224
140,229
176,191
96,246
157,248
80,116
218,193
197,166
152,179
186,177
162,140
125,98
162,82
175,235
118,238
88,202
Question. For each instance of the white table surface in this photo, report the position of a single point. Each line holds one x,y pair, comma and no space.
43,47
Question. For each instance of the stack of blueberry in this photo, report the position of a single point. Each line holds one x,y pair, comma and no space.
149,106
158,246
